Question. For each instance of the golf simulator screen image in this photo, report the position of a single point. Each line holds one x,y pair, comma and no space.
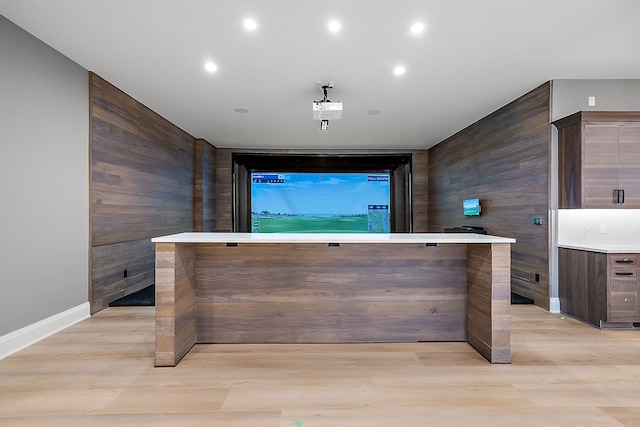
304,202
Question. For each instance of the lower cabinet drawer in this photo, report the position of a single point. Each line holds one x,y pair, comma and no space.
624,307
623,260
623,284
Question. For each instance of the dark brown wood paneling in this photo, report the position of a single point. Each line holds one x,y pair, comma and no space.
503,160
623,288
572,279
350,293
224,182
120,269
608,116
582,284
596,283
420,191
600,166
224,190
570,157
629,163
205,187
142,185
599,153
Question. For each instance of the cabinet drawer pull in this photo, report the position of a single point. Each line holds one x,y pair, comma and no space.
624,273
618,195
624,261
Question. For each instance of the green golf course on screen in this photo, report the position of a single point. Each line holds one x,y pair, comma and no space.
302,202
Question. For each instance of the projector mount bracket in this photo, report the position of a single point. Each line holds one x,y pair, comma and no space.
324,87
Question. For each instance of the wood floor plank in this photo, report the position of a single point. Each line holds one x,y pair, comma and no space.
464,416
100,372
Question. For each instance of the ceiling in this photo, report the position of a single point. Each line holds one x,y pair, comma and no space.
472,58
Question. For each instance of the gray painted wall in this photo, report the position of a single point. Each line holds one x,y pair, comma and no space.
44,185
571,96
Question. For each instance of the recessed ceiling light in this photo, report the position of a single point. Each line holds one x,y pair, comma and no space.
399,70
210,67
334,26
250,24
241,110
417,28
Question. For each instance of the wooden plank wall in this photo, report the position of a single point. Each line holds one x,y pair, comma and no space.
224,182
224,189
142,185
420,191
205,186
257,293
108,265
503,159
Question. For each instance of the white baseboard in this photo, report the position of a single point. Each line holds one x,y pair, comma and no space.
554,305
24,337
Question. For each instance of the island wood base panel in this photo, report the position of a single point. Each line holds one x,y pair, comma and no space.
320,293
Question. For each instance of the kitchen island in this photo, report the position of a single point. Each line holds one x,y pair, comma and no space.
332,288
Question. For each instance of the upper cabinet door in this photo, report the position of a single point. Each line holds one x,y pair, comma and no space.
600,166
599,160
629,164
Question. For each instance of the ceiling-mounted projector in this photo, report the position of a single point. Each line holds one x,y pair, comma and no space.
325,109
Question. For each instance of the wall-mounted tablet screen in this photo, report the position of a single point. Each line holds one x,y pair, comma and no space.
471,207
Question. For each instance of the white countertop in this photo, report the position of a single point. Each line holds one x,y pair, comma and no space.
607,248
330,238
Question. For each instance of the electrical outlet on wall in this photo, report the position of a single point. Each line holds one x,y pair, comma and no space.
603,228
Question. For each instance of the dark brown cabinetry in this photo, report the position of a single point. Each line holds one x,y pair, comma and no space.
599,160
623,288
629,163
598,288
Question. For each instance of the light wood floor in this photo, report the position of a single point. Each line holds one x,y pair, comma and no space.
100,373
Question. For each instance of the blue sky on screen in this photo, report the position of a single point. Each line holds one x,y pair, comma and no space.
320,194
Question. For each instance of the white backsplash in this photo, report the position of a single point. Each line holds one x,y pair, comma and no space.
598,226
